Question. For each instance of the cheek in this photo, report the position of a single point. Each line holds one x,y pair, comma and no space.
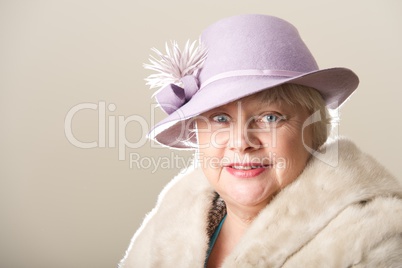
211,147
203,138
209,159
290,157
216,138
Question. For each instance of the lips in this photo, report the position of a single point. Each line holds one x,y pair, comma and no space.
247,167
246,170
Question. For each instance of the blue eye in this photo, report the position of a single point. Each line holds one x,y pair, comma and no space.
270,118
221,118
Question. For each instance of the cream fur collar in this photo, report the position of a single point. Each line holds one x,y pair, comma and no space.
173,234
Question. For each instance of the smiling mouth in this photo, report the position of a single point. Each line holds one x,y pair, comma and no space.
246,170
247,166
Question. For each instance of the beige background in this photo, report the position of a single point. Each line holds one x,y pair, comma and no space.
63,206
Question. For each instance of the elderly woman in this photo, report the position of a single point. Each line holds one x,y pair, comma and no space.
268,188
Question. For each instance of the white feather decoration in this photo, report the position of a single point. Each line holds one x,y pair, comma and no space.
175,64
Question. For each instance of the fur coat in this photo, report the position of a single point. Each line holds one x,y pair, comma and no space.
344,216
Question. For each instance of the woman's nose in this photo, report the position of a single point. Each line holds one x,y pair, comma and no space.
243,139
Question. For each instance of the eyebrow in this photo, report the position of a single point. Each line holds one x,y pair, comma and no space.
262,105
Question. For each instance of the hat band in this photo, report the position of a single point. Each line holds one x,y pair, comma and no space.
280,73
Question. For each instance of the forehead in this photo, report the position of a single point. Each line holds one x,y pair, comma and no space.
253,103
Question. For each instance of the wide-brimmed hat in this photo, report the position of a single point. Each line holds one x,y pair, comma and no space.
236,57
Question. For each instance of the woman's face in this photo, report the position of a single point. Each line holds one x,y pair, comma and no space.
249,150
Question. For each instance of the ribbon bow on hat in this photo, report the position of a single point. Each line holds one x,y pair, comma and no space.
177,74
172,97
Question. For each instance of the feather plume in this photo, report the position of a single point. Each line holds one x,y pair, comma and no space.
175,64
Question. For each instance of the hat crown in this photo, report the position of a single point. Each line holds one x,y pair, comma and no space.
254,42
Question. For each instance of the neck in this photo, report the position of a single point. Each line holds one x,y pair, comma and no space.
243,215
239,219
236,223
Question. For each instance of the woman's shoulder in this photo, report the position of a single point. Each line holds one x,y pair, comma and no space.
176,226
189,183
344,164
366,234
367,229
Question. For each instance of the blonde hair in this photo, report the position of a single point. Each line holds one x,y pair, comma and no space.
304,97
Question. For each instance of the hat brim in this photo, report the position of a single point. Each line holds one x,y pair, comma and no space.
335,85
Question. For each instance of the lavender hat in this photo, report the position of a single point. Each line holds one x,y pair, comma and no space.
236,57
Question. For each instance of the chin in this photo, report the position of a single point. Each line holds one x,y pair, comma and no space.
252,195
